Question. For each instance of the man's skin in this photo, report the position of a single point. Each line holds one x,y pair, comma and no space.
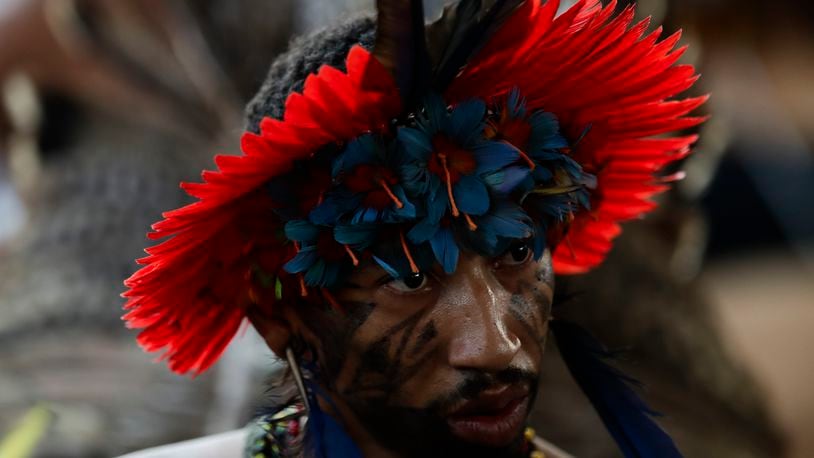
444,364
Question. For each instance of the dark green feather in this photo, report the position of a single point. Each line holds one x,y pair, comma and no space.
461,32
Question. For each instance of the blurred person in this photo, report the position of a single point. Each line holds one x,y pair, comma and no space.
757,59
107,105
394,224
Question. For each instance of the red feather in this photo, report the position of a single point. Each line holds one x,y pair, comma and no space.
193,292
591,67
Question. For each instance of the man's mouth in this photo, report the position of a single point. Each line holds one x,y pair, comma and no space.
495,418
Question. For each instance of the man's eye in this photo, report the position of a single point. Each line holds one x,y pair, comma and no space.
410,283
518,254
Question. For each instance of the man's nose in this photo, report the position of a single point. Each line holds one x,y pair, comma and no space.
479,307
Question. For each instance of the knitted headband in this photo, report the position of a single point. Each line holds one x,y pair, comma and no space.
497,124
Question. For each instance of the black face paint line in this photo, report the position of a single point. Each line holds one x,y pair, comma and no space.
393,359
335,331
428,334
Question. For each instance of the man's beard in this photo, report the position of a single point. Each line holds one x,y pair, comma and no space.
424,432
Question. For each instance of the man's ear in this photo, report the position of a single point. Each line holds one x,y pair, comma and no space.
274,330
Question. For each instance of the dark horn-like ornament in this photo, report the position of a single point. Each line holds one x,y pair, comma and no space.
401,46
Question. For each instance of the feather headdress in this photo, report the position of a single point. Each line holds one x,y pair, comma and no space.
501,121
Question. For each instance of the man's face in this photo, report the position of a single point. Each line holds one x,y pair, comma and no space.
435,361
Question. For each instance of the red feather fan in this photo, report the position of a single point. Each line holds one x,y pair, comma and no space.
192,294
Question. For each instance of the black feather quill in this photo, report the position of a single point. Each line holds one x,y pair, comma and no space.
626,416
461,32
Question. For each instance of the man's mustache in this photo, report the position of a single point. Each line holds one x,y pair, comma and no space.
418,431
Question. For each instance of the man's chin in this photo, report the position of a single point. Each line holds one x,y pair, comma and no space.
514,449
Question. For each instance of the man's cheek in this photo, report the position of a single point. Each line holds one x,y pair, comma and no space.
530,318
348,377
331,335
528,313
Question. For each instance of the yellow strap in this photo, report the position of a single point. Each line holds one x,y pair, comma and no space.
23,439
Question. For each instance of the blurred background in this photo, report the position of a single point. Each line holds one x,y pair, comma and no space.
105,106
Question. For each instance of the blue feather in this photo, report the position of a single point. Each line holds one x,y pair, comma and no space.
408,211
332,275
387,267
365,215
423,231
539,239
584,199
545,133
506,180
445,249
542,174
301,231
471,195
437,202
415,177
302,261
626,416
360,151
506,221
516,103
316,273
415,143
325,437
359,236
466,121
546,155
492,156
332,208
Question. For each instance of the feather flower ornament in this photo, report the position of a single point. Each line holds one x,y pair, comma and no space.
503,121
320,258
461,175
370,189
451,156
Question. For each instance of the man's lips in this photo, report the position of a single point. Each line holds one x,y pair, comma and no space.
494,418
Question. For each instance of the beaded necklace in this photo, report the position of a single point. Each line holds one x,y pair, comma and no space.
282,434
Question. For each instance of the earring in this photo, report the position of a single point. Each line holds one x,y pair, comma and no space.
298,379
